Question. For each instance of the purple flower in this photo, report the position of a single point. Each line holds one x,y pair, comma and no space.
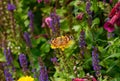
11,7
27,39
88,5
55,23
82,42
8,56
23,62
31,17
95,61
43,74
30,14
54,59
8,75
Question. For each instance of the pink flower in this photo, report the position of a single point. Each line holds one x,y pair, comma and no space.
93,79
80,16
78,79
39,1
109,25
48,21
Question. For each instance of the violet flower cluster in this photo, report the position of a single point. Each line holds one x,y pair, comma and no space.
11,7
8,75
8,55
53,22
23,62
88,5
82,43
95,61
27,39
114,18
31,17
43,74
89,12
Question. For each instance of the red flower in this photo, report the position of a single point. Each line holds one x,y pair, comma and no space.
115,9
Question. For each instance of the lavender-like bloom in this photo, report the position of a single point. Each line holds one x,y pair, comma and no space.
88,5
82,42
8,75
8,56
23,62
95,61
43,74
55,23
31,17
11,7
43,71
34,72
54,59
27,39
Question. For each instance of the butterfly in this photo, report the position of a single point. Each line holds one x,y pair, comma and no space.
61,42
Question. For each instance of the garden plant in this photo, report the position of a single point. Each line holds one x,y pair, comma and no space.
59,40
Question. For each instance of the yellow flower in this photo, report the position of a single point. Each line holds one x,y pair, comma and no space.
61,42
26,78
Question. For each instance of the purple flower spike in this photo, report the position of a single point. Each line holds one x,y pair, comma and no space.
8,75
30,14
8,56
88,5
43,74
23,62
31,17
27,39
95,61
11,7
82,42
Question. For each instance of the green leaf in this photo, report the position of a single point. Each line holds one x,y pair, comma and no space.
117,55
96,21
45,47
